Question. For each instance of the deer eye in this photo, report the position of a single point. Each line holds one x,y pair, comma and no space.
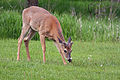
65,51
65,46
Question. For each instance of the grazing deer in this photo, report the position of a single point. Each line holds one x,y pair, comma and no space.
36,19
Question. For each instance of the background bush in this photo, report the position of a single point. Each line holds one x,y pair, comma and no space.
78,19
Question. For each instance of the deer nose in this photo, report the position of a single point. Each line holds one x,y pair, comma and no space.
70,60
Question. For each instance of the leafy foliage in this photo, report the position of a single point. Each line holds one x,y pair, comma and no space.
74,16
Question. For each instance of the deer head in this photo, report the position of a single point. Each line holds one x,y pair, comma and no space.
66,48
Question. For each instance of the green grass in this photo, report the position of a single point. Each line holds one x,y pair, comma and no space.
91,61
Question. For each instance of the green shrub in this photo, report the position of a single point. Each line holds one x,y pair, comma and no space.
74,17
85,29
10,24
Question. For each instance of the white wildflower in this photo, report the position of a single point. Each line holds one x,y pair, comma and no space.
108,35
108,18
89,26
90,55
97,22
81,25
101,65
88,58
119,37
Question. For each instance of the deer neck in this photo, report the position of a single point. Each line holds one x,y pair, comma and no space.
59,32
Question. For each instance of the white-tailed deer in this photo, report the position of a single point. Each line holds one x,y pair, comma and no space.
36,19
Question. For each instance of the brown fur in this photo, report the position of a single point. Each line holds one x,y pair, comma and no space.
36,19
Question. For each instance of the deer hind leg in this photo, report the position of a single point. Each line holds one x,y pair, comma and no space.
25,29
29,36
42,39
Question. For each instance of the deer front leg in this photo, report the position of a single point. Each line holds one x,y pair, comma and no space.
56,44
63,59
42,39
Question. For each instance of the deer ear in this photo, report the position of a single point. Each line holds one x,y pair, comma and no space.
60,41
71,43
69,40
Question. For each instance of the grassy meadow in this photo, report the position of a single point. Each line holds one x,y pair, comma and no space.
96,48
91,61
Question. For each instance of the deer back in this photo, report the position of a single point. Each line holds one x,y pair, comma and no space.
42,21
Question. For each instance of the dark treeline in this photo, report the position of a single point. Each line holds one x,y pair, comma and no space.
76,7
